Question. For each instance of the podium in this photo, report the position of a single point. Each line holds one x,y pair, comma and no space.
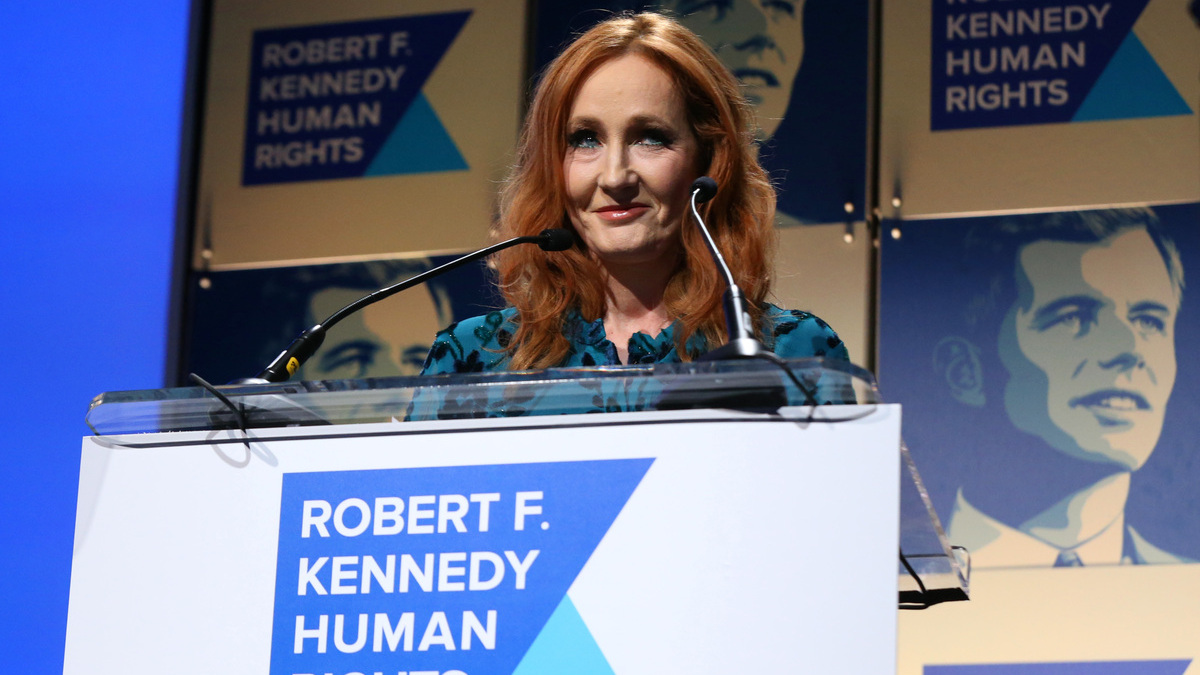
700,517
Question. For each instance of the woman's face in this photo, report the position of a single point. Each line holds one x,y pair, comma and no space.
631,157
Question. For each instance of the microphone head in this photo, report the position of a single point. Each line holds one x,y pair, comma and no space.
558,239
704,188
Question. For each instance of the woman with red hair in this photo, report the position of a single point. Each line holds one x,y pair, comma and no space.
621,124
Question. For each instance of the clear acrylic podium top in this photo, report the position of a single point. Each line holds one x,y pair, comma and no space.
930,572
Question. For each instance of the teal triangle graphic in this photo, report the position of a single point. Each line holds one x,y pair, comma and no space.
418,144
1131,86
565,645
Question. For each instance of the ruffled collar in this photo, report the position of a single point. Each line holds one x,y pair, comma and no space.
643,349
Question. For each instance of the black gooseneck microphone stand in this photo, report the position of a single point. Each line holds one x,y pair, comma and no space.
742,343
306,344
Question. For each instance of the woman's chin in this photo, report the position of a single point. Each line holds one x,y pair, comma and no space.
631,255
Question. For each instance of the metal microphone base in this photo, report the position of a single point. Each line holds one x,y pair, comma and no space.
761,392
741,348
249,380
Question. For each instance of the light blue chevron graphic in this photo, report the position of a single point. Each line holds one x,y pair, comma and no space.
418,144
565,645
1133,85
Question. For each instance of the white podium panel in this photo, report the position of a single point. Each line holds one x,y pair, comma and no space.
694,541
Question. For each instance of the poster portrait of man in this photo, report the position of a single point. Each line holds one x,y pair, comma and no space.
802,65
1045,401
245,317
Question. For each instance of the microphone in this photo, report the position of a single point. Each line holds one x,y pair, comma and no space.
558,239
742,343
704,189
306,344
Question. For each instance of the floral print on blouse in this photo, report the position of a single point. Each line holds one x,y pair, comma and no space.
479,344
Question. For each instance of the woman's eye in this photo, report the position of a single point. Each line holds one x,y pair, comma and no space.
654,138
583,139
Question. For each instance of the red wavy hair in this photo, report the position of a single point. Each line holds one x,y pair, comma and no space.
544,287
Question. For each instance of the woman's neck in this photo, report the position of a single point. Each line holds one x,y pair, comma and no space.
634,304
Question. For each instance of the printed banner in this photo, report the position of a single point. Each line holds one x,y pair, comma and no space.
243,318
1047,399
343,100
354,130
991,106
1014,62
439,570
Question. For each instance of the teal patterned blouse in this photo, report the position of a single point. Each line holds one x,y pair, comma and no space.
479,344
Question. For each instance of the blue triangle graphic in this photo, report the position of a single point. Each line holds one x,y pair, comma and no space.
1131,86
418,144
565,645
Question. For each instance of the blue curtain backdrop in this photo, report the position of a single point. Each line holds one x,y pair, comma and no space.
89,141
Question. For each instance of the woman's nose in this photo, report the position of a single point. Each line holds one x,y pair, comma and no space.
616,172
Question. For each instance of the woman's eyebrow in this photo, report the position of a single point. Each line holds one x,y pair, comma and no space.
582,121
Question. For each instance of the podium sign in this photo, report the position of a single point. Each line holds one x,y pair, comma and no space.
644,542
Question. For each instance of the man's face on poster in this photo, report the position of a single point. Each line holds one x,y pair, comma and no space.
385,339
1090,346
760,41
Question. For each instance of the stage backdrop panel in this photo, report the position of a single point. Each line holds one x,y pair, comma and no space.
349,129
1081,621
243,318
1041,362
1033,362
818,271
1024,104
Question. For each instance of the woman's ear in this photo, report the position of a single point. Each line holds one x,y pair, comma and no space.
956,362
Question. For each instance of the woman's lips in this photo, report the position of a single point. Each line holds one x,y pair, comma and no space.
621,213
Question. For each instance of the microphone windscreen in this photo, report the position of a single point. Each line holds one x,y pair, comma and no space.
704,188
558,239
